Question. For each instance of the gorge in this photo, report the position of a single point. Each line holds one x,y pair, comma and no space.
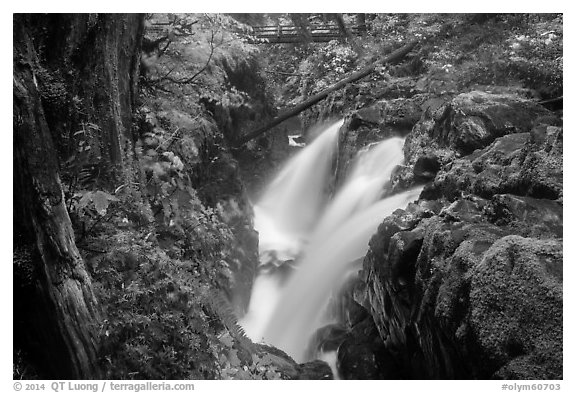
434,267
194,201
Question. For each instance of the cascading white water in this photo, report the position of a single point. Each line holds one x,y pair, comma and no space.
370,172
298,311
286,313
292,202
284,217
331,357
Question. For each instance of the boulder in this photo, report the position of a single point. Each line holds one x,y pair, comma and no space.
399,87
289,369
451,128
401,114
473,120
375,122
426,167
516,308
391,116
526,164
316,369
541,171
540,218
446,305
363,355
467,281
343,307
485,172
325,339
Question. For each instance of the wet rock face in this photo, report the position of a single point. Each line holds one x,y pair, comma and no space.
290,370
516,307
529,217
375,122
472,120
455,127
393,116
363,356
467,282
426,167
449,294
523,164
316,369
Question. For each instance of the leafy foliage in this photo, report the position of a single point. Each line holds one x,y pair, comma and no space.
259,366
159,284
500,49
160,245
82,168
99,199
156,236
165,318
457,52
158,254
193,65
156,327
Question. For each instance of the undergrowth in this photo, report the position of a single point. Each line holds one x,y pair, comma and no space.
457,52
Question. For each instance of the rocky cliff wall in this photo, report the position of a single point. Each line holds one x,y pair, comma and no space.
467,281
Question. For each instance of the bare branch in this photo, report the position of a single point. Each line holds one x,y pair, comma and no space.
189,80
285,73
169,138
163,50
168,74
149,46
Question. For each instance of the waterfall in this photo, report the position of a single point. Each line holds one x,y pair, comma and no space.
290,217
370,172
298,311
292,203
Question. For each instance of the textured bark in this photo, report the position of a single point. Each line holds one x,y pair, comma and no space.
96,58
68,69
69,308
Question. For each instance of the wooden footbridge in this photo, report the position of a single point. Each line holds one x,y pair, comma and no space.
288,34
284,34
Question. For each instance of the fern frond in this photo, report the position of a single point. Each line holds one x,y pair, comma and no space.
221,307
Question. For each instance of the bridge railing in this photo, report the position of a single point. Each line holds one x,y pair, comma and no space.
282,33
290,33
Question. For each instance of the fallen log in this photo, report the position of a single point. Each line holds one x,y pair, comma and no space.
394,56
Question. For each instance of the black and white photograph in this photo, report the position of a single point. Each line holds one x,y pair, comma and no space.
287,196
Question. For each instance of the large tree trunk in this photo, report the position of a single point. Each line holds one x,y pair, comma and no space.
89,62
96,57
67,308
